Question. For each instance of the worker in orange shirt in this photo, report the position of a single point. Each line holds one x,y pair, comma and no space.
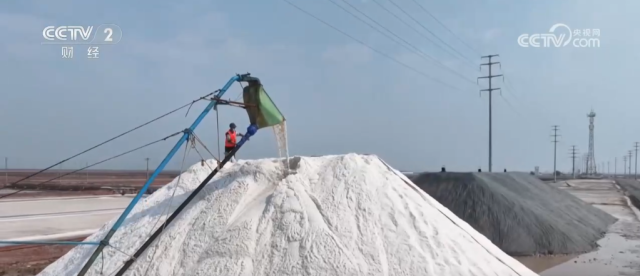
231,141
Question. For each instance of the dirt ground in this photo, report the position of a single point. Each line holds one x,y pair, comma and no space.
31,259
619,251
96,177
80,183
27,260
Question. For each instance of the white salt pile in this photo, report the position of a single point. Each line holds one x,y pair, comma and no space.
337,215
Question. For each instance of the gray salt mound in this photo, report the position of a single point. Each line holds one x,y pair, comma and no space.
517,212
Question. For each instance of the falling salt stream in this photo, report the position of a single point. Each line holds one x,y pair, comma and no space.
280,130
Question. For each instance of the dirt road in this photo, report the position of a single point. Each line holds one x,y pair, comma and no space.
619,251
25,218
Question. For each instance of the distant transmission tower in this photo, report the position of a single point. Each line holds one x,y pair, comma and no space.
591,158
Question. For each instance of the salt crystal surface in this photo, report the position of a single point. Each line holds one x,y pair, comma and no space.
336,215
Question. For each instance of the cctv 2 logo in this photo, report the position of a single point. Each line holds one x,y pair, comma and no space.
103,34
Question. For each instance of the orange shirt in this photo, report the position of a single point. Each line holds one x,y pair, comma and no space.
231,141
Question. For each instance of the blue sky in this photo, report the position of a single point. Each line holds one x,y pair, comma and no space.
338,95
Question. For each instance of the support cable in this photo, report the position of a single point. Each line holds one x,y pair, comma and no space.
121,219
119,251
193,145
187,149
201,157
197,139
164,211
251,130
109,140
241,93
97,163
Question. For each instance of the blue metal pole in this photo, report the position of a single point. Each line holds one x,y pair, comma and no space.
105,241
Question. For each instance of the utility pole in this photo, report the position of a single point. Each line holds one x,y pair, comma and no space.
555,143
630,155
625,166
609,168
147,167
490,90
6,171
86,174
615,167
635,176
591,159
573,153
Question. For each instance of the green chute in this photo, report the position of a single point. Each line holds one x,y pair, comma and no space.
260,108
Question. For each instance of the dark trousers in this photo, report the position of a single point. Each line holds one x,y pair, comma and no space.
228,150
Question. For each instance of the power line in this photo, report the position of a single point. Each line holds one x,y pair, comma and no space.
430,32
490,90
468,63
444,26
517,95
111,139
507,83
512,91
373,49
97,163
510,105
555,143
504,80
415,50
